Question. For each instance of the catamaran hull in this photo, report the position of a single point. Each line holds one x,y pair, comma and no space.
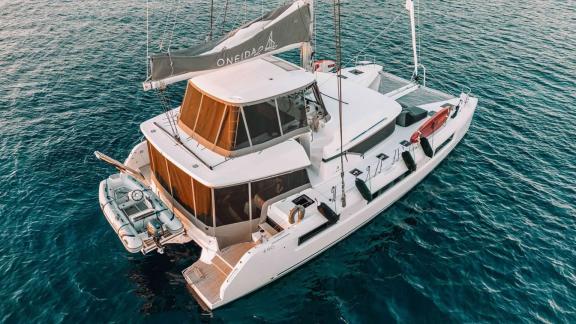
280,255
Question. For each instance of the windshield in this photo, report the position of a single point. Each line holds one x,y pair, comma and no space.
226,128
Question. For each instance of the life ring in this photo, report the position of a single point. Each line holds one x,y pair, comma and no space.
298,208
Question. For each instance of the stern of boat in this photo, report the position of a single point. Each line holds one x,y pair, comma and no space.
206,279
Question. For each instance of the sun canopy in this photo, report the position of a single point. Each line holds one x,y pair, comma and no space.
279,30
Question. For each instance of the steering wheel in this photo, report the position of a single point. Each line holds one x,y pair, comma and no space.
136,195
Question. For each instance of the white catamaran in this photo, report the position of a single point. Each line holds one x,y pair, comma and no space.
266,164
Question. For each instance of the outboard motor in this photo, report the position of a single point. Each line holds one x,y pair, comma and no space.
155,230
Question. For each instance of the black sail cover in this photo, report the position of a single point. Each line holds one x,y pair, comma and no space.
274,32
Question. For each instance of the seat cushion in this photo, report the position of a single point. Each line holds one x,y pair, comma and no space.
410,115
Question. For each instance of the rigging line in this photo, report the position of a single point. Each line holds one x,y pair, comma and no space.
418,30
174,114
338,41
165,29
179,141
373,40
314,27
211,19
175,19
224,18
238,13
166,108
147,40
369,44
245,10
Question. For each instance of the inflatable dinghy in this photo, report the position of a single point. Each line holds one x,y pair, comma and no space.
139,218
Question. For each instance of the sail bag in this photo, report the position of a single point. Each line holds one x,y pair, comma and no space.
279,30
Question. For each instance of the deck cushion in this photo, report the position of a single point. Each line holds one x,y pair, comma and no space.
410,115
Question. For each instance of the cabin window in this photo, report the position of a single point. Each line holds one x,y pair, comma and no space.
266,189
211,114
158,166
292,111
262,121
181,187
232,205
203,202
233,133
190,107
213,122
218,125
193,196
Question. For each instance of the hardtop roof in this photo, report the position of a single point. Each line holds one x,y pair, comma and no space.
253,81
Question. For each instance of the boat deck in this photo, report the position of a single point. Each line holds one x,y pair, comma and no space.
391,84
206,279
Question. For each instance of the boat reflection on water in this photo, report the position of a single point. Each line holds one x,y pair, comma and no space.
159,282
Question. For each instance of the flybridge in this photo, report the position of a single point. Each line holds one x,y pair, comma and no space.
283,29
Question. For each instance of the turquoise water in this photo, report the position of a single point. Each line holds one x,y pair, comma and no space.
489,236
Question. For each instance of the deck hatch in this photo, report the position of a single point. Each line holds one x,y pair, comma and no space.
303,201
356,172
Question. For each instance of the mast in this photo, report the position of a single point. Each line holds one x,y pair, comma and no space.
338,35
307,48
410,8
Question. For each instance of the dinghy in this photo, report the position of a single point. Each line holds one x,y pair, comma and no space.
141,220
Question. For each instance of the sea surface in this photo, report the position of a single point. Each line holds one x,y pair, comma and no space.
489,236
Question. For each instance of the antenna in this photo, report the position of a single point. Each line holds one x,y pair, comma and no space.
338,35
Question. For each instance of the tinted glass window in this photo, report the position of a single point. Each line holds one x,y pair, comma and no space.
262,122
269,188
203,202
232,205
189,108
233,132
209,120
241,140
292,110
195,197
158,166
181,186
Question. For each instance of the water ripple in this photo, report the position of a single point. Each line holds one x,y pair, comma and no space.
487,237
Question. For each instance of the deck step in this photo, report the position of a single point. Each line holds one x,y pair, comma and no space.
205,280
221,265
